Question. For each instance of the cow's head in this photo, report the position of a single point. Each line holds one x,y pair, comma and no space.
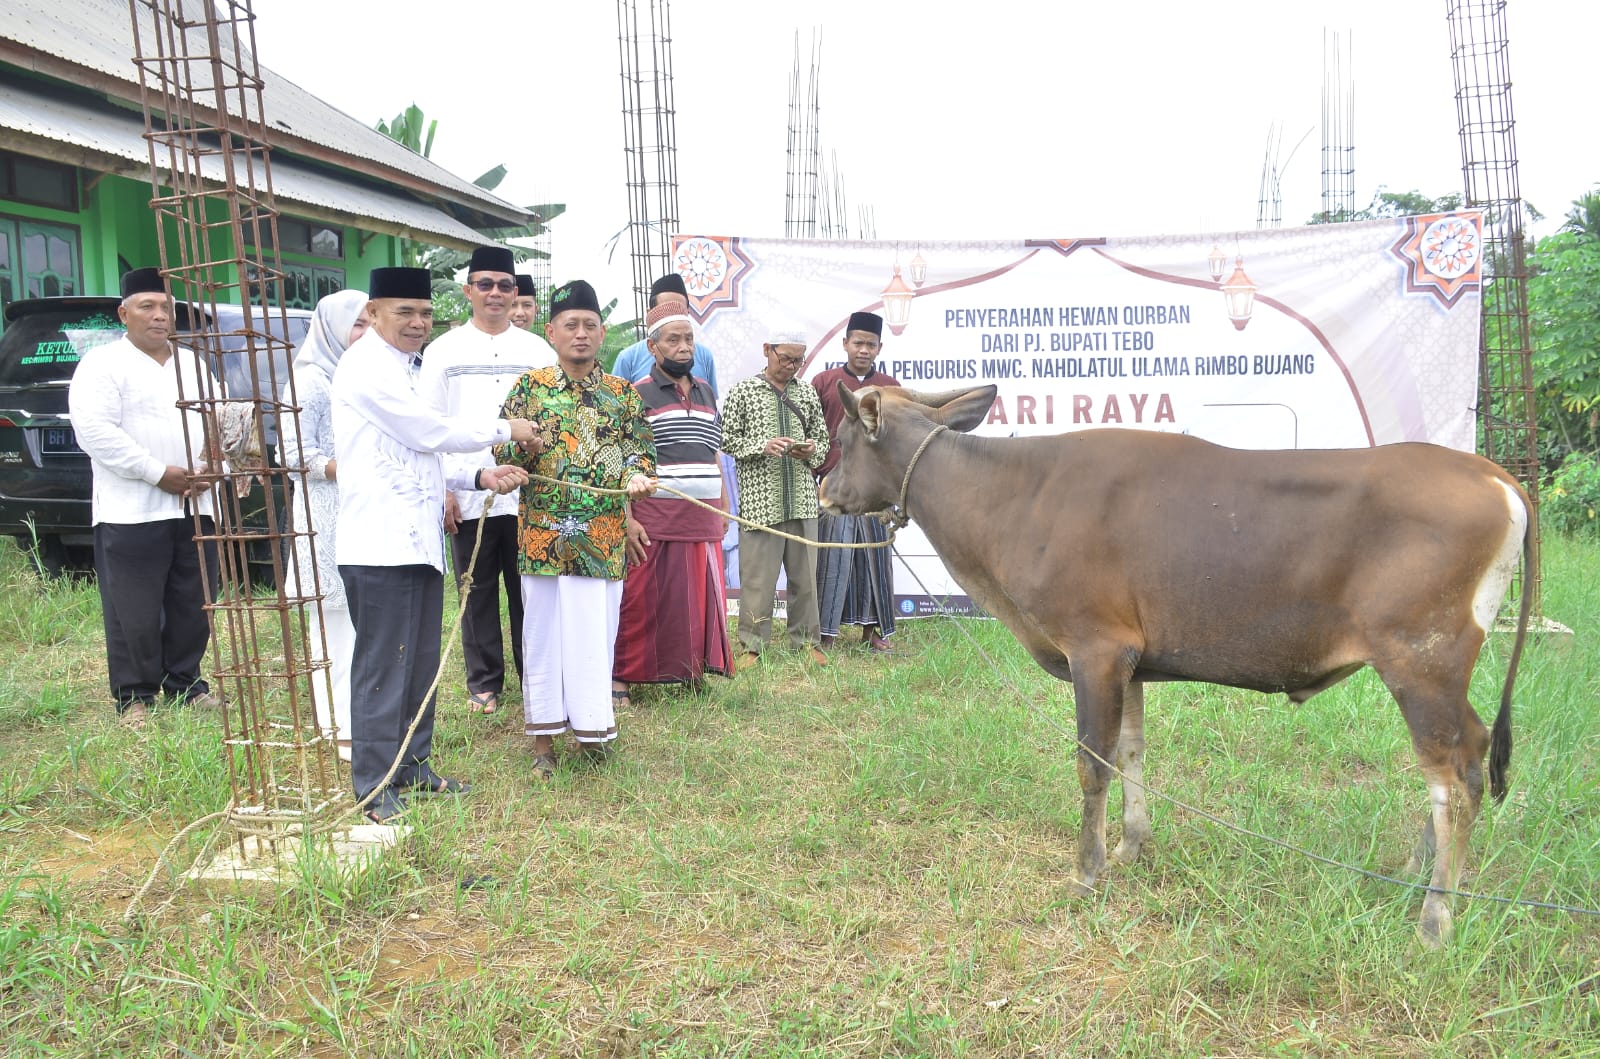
880,432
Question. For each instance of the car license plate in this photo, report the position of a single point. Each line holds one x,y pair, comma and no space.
58,441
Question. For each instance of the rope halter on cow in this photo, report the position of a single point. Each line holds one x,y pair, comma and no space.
897,515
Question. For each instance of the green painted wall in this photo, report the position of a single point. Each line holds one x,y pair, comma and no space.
115,220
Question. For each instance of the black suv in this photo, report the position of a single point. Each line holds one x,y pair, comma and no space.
45,480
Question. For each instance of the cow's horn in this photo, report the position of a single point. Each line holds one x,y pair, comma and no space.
934,400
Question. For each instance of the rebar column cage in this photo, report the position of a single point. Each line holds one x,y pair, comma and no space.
201,91
1506,414
1338,132
1269,203
539,264
649,120
803,162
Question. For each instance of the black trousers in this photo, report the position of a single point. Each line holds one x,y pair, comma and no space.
481,645
396,611
153,592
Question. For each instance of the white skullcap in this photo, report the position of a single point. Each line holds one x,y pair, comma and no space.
669,311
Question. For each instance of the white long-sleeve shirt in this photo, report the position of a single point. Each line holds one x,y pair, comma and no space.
391,478
124,410
467,372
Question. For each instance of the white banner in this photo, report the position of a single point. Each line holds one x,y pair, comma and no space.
1328,336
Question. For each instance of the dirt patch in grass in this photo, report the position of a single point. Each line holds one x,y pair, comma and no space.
108,859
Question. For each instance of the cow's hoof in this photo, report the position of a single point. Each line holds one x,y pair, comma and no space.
1435,928
1126,853
1078,888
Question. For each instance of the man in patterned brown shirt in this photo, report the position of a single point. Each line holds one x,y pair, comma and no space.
589,429
772,426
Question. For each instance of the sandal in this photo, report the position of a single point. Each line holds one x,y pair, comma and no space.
430,782
386,809
620,700
544,766
484,702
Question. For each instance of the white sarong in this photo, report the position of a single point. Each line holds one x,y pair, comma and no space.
569,637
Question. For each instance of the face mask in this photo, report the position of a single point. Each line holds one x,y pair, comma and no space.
677,368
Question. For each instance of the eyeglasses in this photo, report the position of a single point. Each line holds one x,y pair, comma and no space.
504,286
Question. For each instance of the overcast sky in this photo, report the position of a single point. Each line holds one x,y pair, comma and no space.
999,119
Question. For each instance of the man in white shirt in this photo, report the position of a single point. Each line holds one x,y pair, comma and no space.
466,373
123,401
391,542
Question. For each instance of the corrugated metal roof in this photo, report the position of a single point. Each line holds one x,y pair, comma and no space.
98,35
119,135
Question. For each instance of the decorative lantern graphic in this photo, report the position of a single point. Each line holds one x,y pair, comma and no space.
897,303
1217,261
919,269
1240,295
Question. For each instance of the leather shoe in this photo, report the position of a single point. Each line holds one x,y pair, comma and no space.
134,716
816,656
745,661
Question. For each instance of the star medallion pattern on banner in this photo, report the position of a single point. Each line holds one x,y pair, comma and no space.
1443,253
713,269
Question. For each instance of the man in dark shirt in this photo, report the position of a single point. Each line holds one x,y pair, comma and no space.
855,586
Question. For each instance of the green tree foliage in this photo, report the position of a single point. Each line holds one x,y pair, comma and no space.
1564,310
412,129
1391,204
619,335
1584,216
1569,499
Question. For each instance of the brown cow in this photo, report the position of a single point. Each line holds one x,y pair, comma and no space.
1124,556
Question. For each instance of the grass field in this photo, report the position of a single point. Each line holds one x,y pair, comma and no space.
864,860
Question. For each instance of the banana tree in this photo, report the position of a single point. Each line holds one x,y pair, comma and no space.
416,131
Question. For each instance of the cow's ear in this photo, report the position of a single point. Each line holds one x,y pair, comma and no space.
848,398
869,410
967,411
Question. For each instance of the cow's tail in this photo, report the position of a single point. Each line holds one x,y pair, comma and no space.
1500,735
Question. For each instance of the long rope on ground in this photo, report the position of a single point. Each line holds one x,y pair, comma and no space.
894,518
335,820
1229,825
163,859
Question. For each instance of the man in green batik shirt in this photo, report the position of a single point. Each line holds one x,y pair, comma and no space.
589,429
772,426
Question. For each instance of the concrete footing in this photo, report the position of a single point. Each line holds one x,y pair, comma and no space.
256,860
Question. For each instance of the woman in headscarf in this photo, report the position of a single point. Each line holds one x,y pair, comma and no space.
340,319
